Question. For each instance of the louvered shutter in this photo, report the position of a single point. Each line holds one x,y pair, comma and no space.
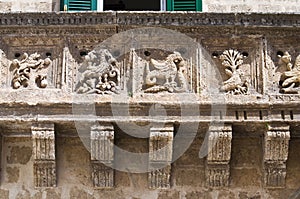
80,5
184,5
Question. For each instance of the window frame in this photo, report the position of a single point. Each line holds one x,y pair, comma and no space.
165,5
170,5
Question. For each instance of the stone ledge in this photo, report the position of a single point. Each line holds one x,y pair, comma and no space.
150,18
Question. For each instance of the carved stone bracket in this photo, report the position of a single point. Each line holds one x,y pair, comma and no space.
236,83
44,155
219,154
30,71
160,156
276,145
102,155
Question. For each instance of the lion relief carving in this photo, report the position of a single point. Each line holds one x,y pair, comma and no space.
170,72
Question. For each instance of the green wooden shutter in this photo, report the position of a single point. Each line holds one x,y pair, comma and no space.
184,5
79,5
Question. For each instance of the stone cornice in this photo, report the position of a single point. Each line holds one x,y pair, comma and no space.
150,18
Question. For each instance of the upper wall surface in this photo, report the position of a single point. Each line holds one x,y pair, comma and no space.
269,6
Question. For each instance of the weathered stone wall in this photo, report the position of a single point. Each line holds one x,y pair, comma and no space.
29,6
218,6
188,172
37,127
251,6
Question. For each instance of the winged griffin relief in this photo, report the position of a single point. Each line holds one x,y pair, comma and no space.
154,76
30,70
236,83
100,73
290,79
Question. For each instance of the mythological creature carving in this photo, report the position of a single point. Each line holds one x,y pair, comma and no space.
101,74
30,70
170,71
236,84
290,79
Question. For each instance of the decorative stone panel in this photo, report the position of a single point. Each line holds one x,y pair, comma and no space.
218,158
44,155
102,155
160,156
155,76
276,145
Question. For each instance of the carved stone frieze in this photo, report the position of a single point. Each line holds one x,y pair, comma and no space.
153,76
276,146
100,73
219,154
236,83
102,155
30,71
160,156
290,79
44,155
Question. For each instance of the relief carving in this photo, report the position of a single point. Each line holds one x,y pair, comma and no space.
4,66
219,155
30,71
100,74
102,151
276,148
160,156
173,67
290,79
156,76
236,84
43,138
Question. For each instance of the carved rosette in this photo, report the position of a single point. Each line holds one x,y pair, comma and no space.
290,79
44,155
100,74
236,83
30,71
102,155
154,76
219,154
276,146
160,156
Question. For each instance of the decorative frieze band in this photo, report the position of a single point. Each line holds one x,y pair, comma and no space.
102,155
276,145
44,155
219,154
160,156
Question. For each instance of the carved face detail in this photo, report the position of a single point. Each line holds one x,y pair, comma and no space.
177,59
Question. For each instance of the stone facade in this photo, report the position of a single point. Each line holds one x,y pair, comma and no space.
218,6
206,104
278,6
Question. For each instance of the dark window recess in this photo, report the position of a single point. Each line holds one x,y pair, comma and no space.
138,5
